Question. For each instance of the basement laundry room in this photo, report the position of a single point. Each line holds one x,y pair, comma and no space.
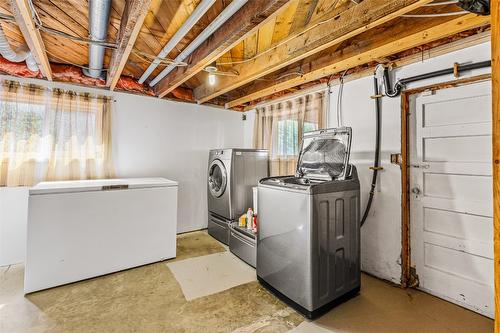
249,166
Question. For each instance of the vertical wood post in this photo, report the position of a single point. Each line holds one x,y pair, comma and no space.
495,79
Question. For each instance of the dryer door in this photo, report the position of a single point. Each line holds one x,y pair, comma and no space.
217,178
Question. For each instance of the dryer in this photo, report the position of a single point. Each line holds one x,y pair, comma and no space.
231,175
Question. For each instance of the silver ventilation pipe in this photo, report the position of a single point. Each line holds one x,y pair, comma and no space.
98,30
22,54
225,15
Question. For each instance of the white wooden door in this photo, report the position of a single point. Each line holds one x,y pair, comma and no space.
451,195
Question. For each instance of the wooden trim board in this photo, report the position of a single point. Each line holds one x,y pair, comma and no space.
495,59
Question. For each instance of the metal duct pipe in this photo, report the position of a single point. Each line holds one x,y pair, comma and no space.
98,30
22,54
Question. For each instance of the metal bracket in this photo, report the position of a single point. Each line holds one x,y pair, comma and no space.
419,166
376,168
396,159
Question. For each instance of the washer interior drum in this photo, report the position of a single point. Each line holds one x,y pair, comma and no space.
325,154
217,178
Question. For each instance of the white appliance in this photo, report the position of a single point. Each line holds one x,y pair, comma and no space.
82,229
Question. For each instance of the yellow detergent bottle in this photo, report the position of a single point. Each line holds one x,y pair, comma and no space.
242,221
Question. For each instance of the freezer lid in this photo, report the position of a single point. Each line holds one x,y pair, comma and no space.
324,154
72,186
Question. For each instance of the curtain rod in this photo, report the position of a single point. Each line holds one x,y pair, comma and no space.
45,88
316,88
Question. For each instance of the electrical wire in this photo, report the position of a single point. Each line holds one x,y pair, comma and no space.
105,44
289,74
284,41
279,77
165,61
39,25
437,14
66,62
34,13
6,17
442,3
339,98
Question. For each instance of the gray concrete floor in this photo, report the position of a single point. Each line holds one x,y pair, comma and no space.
149,299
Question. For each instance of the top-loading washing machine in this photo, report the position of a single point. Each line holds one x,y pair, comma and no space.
308,241
231,175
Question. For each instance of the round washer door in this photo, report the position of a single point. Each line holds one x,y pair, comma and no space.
217,178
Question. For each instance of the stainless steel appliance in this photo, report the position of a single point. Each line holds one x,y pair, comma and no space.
231,175
308,241
243,243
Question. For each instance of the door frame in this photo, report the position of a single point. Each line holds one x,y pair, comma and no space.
408,276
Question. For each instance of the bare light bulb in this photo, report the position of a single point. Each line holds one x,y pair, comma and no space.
211,79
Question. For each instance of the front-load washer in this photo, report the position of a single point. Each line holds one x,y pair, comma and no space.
308,241
231,175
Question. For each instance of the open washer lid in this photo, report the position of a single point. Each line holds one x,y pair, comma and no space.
324,154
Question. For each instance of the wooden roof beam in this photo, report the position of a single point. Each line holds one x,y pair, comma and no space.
247,20
312,39
22,13
132,19
381,44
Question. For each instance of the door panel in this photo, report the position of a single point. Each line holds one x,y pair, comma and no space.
458,224
451,195
458,149
457,111
457,187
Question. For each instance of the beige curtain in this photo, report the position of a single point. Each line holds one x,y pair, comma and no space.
279,128
52,135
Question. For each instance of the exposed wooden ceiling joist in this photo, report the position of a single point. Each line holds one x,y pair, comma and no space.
239,26
449,44
310,40
364,49
132,19
21,11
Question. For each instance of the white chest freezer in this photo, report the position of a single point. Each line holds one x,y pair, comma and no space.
82,229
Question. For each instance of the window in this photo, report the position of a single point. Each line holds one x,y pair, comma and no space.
279,128
287,136
52,135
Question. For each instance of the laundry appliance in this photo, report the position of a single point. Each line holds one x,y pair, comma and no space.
308,244
231,175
